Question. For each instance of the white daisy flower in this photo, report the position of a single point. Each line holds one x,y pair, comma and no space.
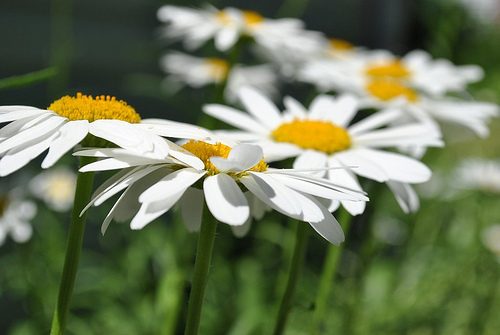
15,216
196,72
226,26
68,121
416,70
56,187
477,174
219,175
323,137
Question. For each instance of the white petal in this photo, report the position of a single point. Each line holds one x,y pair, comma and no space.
374,121
171,184
225,39
328,227
225,200
361,165
48,126
192,208
70,135
242,231
123,134
261,107
294,108
11,113
18,157
150,211
235,118
272,193
405,195
311,159
241,158
114,164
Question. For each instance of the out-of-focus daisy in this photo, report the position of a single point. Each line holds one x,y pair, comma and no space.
55,187
219,175
15,216
477,174
416,70
226,26
193,71
323,137
486,11
491,239
67,122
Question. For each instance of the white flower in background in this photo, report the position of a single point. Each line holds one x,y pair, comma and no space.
491,239
56,187
15,216
193,71
67,122
226,26
219,175
416,70
487,11
323,137
477,174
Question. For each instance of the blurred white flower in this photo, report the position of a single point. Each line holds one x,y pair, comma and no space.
486,11
15,216
477,174
194,71
196,26
491,238
56,187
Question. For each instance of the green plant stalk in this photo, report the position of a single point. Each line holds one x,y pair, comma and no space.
293,276
328,275
204,250
75,237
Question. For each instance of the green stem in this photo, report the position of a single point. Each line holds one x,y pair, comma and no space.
328,275
204,250
293,277
73,248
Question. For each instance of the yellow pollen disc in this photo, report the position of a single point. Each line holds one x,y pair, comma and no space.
218,69
338,44
390,89
83,107
394,69
252,18
223,17
204,151
317,135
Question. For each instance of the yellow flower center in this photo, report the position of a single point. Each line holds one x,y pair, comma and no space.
218,69
4,203
83,107
204,151
317,135
389,89
340,45
251,18
394,69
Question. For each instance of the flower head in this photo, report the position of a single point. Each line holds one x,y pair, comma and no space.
223,176
55,187
323,136
68,122
15,214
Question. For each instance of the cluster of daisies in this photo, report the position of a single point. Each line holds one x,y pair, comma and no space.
376,116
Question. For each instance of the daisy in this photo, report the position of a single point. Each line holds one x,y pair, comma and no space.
416,70
219,175
55,187
68,122
477,174
196,72
15,216
323,136
226,26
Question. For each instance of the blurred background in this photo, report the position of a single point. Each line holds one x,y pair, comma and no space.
433,272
